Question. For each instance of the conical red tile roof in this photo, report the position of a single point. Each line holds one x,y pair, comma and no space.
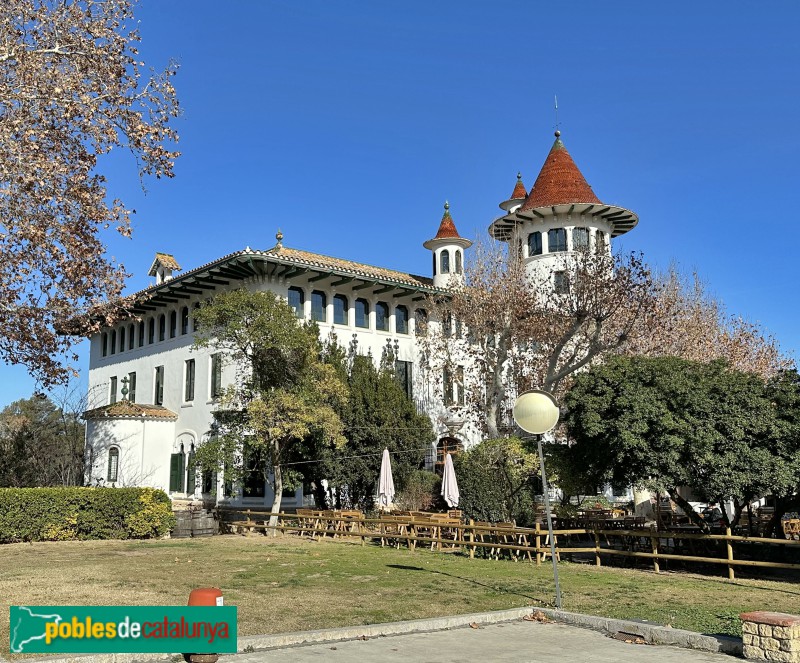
447,228
520,191
559,181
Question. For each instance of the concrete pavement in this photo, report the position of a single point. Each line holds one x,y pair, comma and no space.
518,641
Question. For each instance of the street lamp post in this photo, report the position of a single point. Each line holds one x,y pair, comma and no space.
536,412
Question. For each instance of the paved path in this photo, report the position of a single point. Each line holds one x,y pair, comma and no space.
512,641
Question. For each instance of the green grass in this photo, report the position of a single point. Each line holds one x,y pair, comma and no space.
285,584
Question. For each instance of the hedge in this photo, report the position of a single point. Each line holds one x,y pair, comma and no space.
69,514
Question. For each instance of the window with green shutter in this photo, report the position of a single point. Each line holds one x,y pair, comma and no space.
176,472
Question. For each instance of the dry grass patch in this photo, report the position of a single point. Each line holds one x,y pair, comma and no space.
286,584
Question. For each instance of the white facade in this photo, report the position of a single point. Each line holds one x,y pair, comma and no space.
140,440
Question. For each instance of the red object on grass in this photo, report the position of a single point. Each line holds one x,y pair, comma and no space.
205,596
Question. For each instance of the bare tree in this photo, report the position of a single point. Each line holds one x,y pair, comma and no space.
72,89
514,331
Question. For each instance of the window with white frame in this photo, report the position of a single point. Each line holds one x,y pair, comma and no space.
113,465
188,391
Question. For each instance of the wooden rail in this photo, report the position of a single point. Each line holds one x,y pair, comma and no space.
446,534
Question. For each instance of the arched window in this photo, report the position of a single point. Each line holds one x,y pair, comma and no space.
340,309
194,317
105,344
601,242
122,339
459,265
173,324
177,471
535,244
319,306
185,320
113,341
113,464
401,319
162,327
297,300
434,264
130,336
580,239
556,240
382,316
444,257
421,321
362,313
151,331
141,333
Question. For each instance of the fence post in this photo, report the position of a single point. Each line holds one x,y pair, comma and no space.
472,538
654,542
538,542
596,546
730,553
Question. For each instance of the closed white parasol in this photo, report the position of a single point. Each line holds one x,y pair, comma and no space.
449,483
386,483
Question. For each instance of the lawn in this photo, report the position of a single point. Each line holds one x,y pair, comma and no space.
285,584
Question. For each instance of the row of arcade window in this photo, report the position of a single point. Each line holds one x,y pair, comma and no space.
341,308
557,241
115,341
444,262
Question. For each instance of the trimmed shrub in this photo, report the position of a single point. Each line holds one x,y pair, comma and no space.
68,514
420,492
496,480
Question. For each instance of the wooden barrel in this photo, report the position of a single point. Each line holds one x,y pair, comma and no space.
204,524
183,526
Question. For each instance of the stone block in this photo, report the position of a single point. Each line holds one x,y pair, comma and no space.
750,627
783,632
770,644
747,638
765,630
753,653
790,645
780,656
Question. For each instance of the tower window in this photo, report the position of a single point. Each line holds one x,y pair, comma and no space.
535,244
362,313
601,242
401,320
112,397
434,264
556,240
297,300
421,321
185,320
459,265
319,306
382,316
580,239
444,257
561,283
340,309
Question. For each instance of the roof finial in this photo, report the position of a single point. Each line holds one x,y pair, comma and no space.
558,124
279,237
519,177
446,206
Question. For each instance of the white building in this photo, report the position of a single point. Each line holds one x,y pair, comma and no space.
152,395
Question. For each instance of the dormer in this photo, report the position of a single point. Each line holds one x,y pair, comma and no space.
163,266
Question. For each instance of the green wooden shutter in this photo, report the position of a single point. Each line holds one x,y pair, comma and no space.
176,473
191,478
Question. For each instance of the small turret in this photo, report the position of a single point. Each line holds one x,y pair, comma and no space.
448,252
518,196
163,266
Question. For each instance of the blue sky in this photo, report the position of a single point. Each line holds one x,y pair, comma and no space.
348,124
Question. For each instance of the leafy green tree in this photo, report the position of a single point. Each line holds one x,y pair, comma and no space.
378,414
283,393
40,444
666,422
497,480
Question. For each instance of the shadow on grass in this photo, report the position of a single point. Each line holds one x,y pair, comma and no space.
405,567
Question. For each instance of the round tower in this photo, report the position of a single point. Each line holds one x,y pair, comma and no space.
559,217
448,252
518,196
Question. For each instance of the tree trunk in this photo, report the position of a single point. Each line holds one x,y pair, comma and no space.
277,487
688,509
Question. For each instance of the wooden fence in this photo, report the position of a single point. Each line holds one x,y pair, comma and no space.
496,540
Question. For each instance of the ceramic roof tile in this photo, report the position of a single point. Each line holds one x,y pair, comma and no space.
167,260
559,181
127,410
520,191
447,228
